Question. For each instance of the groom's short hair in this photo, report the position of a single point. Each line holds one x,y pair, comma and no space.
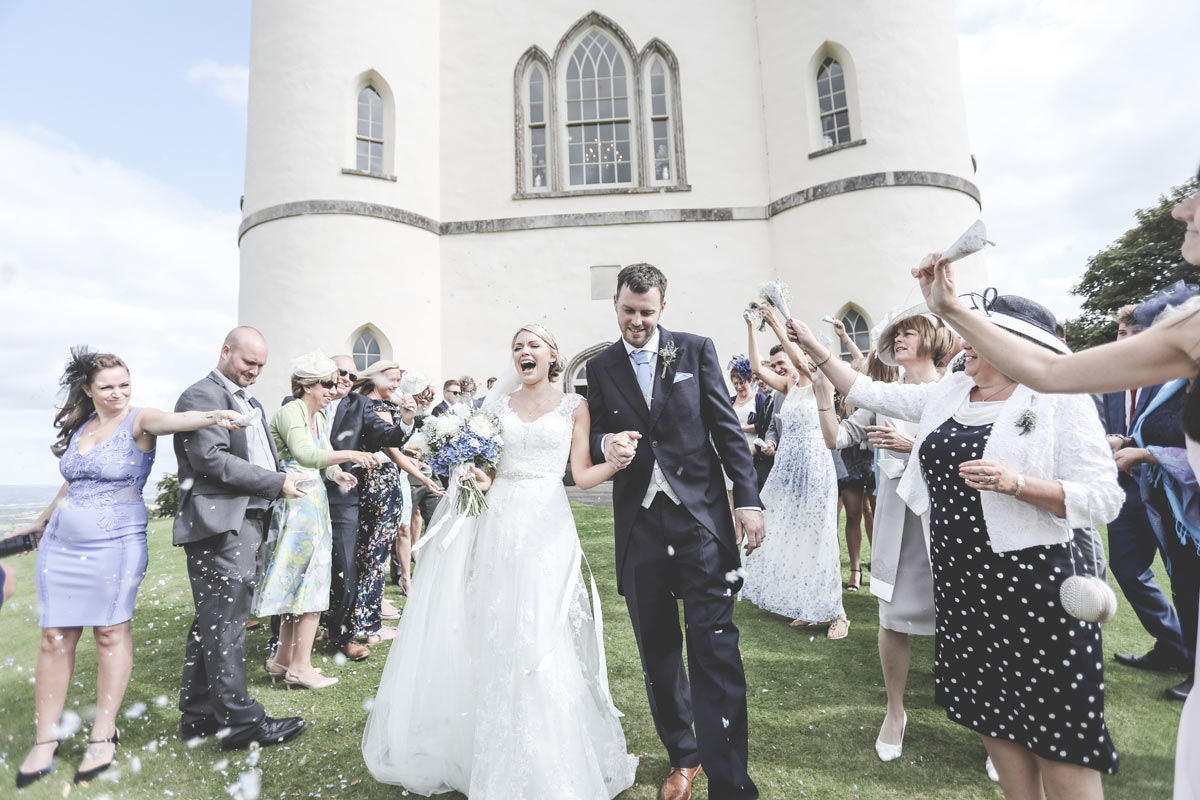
641,278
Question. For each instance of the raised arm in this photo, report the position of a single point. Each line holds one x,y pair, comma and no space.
857,359
1154,356
773,381
840,374
794,354
584,472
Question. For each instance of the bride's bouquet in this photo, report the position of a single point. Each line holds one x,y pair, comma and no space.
453,442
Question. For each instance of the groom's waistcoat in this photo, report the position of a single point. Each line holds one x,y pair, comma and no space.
689,422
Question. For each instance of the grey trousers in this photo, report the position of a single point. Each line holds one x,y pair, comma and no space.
1089,543
222,573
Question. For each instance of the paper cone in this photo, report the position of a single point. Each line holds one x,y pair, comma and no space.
972,241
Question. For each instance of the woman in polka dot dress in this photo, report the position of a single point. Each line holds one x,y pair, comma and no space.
1005,474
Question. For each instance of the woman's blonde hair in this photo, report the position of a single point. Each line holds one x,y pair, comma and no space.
936,339
366,377
543,333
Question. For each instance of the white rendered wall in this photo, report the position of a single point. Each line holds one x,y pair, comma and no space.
315,280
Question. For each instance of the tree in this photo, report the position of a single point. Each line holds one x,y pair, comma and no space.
168,495
1145,259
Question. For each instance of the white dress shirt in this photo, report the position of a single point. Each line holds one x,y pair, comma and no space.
658,481
257,447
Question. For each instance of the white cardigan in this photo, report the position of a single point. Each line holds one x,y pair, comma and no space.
1066,444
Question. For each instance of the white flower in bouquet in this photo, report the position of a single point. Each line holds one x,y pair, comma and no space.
483,424
447,426
461,410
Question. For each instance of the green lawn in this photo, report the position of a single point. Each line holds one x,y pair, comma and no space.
815,707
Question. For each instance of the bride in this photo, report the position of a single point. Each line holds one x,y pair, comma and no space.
496,685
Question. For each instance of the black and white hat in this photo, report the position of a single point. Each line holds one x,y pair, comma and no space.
1022,316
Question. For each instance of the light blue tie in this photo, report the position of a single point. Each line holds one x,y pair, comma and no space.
644,373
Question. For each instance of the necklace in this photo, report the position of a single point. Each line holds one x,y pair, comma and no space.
993,394
541,405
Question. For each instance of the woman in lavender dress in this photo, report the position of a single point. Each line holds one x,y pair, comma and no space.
92,548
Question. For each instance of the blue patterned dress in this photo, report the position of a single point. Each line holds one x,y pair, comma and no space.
92,557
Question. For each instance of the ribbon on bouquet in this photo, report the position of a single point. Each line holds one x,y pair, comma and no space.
453,522
564,610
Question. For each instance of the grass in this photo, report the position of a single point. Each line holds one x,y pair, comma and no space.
815,707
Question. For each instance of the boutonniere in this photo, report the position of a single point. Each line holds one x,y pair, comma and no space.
1027,421
667,355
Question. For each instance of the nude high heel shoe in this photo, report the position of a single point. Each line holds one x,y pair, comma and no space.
890,752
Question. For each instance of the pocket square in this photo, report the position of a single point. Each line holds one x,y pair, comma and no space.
681,376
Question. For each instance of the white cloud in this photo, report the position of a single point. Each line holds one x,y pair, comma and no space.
229,83
1077,117
94,252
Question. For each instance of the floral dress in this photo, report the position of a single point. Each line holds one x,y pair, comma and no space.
380,511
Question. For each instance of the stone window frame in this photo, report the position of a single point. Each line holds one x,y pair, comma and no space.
865,331
370,79
836,52
637,74
366,335
579,361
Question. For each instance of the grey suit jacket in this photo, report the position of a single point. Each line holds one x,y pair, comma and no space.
217,482
775,429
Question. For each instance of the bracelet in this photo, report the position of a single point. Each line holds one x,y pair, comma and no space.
826,408
1020,486
828,355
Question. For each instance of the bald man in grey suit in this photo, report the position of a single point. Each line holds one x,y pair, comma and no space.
227,482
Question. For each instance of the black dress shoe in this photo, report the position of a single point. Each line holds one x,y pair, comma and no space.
26,778
85,775
1154,659
1181,691
268,732
200,727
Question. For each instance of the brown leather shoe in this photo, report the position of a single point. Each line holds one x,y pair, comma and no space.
355,651
678,785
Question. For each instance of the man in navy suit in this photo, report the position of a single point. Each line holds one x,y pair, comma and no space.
1132,543
661,414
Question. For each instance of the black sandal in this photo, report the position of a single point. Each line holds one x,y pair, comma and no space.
83,776
852,586
26,778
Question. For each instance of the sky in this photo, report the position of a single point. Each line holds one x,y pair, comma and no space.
122,143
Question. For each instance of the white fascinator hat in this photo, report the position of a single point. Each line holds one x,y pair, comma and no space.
413,382
313,366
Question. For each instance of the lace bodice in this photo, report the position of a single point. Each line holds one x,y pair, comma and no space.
111,474
538,449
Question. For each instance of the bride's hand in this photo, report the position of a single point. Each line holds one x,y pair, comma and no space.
482,479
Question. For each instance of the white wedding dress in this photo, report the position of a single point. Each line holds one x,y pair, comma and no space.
496,684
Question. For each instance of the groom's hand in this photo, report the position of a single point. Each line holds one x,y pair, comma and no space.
748,523
620,448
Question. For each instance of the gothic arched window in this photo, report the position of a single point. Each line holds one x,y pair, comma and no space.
538,148
858,330
831,96
660,121
366,349
599,119
368,144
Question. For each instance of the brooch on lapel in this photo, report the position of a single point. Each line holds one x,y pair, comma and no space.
667,354
1027,421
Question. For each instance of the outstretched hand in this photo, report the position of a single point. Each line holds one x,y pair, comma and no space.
936,277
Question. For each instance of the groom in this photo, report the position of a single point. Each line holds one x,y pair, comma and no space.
659,406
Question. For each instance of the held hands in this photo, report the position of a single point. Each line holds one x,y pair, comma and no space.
620,448
888,438
988,476
937,284
748,525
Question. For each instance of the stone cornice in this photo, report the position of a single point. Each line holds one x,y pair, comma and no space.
855,183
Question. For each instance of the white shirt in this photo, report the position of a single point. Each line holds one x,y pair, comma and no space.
658,481
258,449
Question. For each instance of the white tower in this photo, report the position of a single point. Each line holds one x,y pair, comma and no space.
510,156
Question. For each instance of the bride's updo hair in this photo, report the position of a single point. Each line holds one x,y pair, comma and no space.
543,333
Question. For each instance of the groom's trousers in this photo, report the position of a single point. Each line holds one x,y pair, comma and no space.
673,557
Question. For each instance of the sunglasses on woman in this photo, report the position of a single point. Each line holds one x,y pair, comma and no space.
328,384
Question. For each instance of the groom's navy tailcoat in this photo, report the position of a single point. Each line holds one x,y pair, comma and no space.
689,422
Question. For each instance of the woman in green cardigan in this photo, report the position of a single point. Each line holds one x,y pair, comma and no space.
295,581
